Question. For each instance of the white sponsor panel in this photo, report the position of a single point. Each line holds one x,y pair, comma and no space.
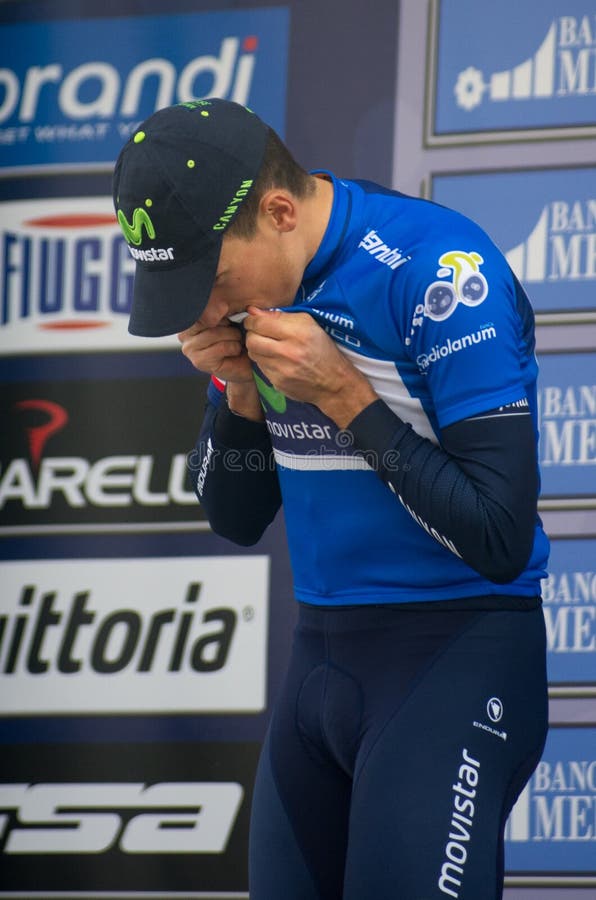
167,635
67,277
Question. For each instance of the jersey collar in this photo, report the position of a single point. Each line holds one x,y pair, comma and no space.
324,258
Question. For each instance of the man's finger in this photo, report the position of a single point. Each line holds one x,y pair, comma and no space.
270,323
193,329
206,336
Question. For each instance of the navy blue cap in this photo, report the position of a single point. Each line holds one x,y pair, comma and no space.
178,183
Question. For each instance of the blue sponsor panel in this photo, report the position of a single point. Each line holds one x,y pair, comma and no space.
567,410
519,66
74,91
569,595
552,827
550,243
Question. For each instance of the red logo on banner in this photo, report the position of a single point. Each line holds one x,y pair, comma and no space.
38,435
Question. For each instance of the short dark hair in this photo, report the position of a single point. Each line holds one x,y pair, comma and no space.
278,169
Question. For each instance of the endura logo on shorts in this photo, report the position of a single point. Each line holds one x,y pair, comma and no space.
494,711
494,708
460,828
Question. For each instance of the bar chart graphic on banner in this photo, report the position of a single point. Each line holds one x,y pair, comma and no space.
536,74
534,77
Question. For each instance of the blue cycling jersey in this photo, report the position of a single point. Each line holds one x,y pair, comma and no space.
424,304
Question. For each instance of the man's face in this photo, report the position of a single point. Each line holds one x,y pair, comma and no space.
257,272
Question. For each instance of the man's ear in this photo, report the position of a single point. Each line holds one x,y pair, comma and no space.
279,209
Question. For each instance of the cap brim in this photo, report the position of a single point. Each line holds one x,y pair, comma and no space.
167,301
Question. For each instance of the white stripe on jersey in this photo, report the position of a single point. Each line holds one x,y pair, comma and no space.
388,384
321,463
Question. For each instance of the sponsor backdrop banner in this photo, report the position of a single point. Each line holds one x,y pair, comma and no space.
164,635
67,276
63,102
567,425
66,273
158,819
569,596
551,827
516,67
62,467
550,243
139,653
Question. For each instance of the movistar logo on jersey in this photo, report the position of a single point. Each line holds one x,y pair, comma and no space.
270,397
461,282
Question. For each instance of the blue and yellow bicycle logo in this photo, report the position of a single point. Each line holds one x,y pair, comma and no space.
467,284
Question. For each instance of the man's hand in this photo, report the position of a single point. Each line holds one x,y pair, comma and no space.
218,350
301,360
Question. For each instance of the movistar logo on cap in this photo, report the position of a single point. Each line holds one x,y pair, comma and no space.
133,232
134,235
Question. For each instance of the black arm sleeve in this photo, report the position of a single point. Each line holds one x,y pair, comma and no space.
233,473
476,493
